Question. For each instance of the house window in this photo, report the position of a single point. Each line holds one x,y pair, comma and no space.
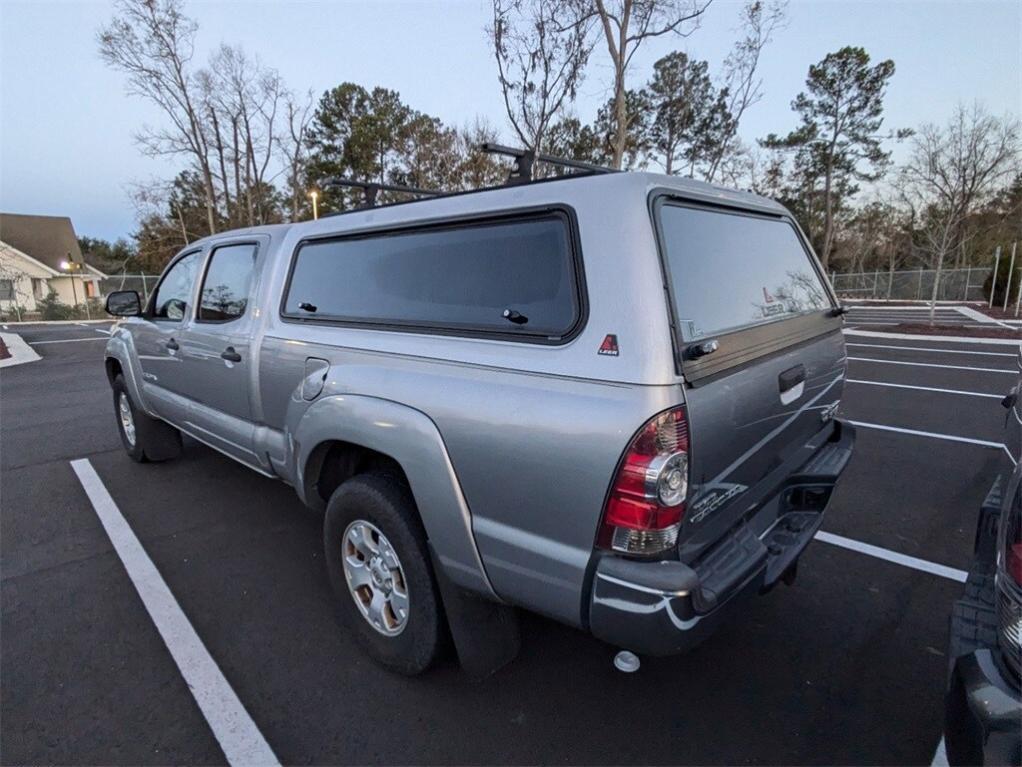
37,288
90,289
6,290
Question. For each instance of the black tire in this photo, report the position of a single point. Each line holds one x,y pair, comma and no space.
153,440
386,502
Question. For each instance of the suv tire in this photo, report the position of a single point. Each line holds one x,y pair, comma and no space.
386,593
144,438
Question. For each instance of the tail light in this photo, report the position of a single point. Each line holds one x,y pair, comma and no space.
647,500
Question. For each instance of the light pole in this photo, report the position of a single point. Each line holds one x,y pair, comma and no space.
315,204
71,267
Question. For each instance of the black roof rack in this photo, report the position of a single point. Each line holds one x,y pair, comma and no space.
525,159
371,188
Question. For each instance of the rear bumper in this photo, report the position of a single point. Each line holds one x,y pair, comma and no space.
983,713
664,608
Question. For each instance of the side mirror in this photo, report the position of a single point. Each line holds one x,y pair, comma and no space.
124,303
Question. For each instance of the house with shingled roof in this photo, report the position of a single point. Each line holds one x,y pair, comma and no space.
39,254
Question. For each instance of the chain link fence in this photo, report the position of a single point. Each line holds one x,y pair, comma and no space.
141,283
901,285
914,284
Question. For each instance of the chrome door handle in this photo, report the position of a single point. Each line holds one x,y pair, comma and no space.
173,345
230,355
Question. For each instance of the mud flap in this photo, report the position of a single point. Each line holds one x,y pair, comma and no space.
160,441
486,634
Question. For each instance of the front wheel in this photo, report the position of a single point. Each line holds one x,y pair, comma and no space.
144,438
380,571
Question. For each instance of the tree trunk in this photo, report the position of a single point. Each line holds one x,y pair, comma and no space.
936,286
181,220
620,117
223,167
237,167
207,179
828,219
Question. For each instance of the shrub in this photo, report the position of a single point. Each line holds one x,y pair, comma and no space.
52,308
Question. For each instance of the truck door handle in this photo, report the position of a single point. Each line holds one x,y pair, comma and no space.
173,345
791,378
230,355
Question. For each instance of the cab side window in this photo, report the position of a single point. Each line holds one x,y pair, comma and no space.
174,293
226,285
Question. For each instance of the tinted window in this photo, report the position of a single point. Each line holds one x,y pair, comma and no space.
174,292
729,271
455,278
228,278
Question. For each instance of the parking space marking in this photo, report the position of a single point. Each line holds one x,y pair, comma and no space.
65,341
934,365
893,556
931,349
931,434
237,734
923,388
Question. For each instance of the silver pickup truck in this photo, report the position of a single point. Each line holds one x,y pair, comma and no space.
608,398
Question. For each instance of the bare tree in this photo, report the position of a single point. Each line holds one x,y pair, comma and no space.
242,95
479,169
541,48
152,42
951,170
293,145
626,24
743,86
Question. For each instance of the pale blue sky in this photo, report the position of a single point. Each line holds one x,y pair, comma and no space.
66,124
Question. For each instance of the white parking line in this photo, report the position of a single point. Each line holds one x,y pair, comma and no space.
931,434
893,556
932,349
237,734
934,365
923,388
64,341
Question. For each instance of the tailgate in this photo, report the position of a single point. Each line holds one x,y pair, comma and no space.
762,354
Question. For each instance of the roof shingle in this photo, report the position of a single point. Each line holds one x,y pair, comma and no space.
49,239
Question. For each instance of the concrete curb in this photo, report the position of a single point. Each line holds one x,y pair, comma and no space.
984,319
20,351
923,337
56,322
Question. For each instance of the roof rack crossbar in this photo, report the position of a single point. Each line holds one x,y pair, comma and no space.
525,159
371,188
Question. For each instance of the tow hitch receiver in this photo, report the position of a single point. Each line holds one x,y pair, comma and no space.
785,541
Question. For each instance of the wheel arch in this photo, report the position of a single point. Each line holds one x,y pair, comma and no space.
343,435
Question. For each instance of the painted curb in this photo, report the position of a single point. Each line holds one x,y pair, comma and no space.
20,351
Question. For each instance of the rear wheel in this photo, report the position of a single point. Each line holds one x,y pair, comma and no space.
144,438
380,571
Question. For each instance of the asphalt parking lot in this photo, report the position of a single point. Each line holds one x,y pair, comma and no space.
847,666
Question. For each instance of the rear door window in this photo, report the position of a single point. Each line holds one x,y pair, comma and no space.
511,276
729,270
